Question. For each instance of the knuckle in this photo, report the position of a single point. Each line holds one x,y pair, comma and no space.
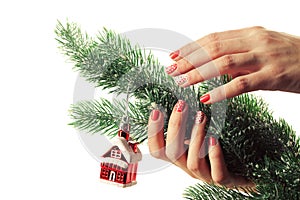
213,37
176,124
273,54
257,28
173,154
184,65
158,154
254,59
193,167
228,62
265,37
216,155
214,49
193,175
220,179
242,84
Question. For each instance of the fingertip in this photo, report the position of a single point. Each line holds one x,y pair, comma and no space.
155,114
200,117
212,141
155,123
174,55
182,80
180,106
216,95
199,125
205,98
178,116
171,70
214,149
179,67
156,141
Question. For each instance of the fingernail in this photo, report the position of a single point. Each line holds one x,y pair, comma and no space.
199,117
174,54
205,98
182,79
155,115
171,68
212,141
180,106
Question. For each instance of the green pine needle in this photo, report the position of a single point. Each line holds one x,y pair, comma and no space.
104,117
255,145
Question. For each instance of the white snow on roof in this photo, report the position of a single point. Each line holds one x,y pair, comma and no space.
127,151
115,161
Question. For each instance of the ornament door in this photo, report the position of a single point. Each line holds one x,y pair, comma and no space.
112,176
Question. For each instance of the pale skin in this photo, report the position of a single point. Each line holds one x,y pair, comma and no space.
256,59
192,159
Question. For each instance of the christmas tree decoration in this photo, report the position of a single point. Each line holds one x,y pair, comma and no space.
120,162
255,145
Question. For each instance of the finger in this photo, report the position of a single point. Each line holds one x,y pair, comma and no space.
213,37
228,64
156,141
226,35
196,161
175,149
219,172
240,181
237,86
207,53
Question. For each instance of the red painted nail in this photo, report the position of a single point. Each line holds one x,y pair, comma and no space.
205,98
199,117
174,54
171,68
180,106
212,141
155,115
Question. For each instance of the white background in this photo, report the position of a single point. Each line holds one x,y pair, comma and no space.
42,157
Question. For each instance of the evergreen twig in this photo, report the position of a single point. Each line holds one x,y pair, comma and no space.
255,145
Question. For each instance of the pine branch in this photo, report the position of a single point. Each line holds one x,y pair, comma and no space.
113,64
210,192
255,145
104,117
73,42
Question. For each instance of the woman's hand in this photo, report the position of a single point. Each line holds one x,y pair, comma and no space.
192,159
256,59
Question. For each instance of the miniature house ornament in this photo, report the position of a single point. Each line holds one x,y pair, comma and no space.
119,164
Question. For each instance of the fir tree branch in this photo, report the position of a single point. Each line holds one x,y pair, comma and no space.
104,117
255,145
209,192
73,42
113,64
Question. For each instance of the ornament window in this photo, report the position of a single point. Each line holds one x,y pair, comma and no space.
120,177
104,173
115,153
